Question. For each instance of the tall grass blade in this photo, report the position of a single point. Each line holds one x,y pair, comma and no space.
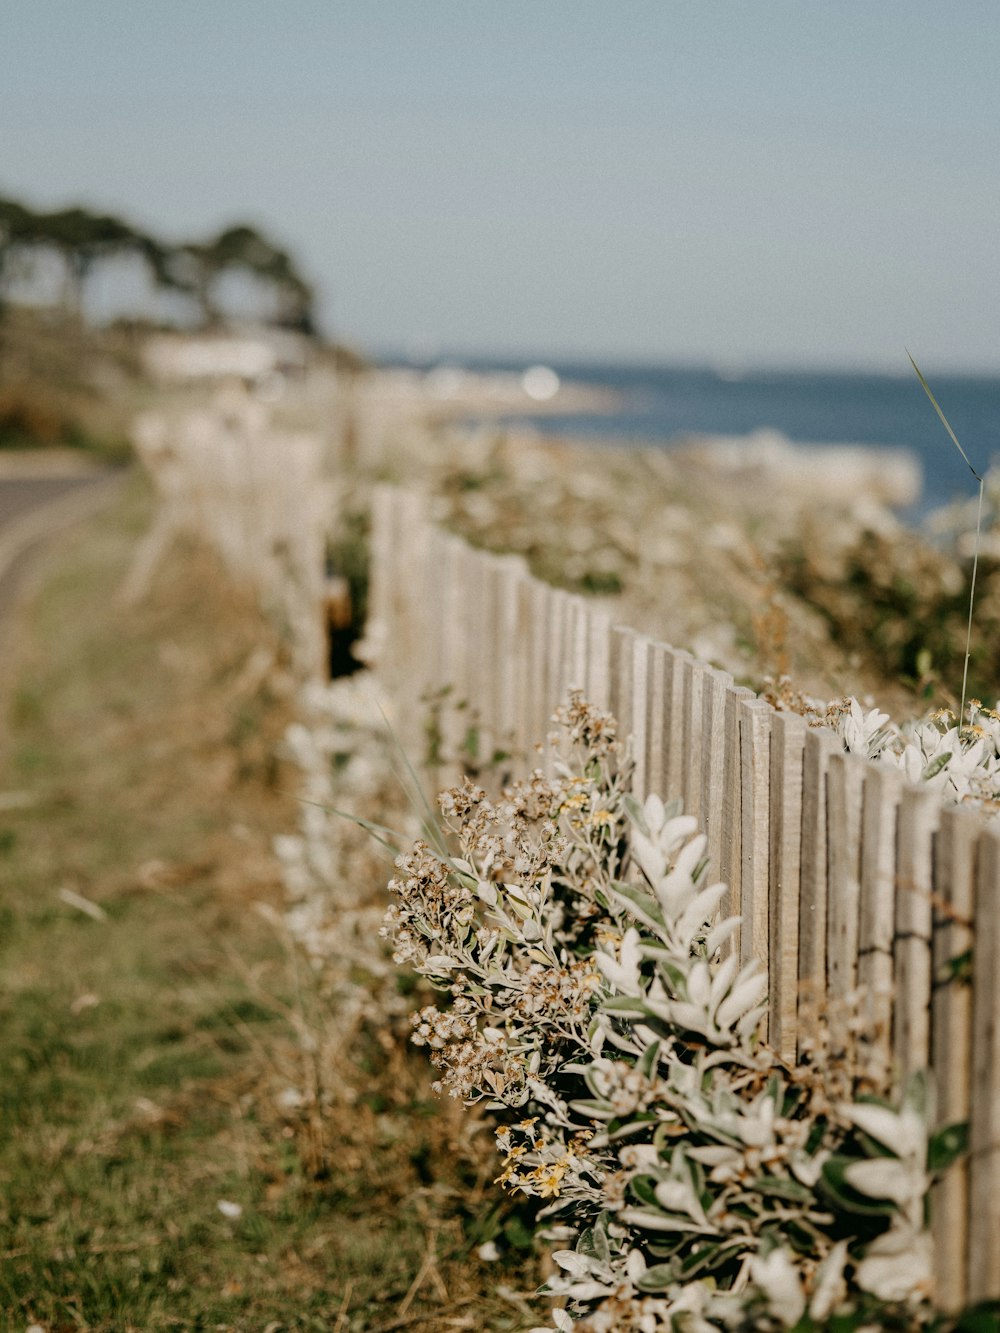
409,780
944,420
386,837
979,527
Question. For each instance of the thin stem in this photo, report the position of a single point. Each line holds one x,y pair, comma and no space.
972,602
979,524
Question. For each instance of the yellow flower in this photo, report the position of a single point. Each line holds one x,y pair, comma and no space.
548,1180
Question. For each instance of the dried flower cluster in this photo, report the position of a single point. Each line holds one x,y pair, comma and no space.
593,999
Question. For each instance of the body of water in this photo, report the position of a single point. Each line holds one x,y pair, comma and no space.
661,404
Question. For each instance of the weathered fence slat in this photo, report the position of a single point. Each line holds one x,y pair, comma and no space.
787,746
673,735
554,654
755,737
598,677
951,1039
640,715
877,913
622,641
731,849
984,1123
911,1037
819,746
713,753
693,675
655,719
845,784
512,575
579,636
537,699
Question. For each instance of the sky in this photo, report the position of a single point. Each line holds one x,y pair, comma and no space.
738,183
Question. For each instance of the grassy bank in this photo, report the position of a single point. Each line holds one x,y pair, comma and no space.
158,1036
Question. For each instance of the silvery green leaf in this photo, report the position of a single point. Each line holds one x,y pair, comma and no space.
940,762
649,856
641,905
897,1265
775,1276
677,1196
902,1132
572,1262
637,814
677,829
886,1178
699,910
748,990
651,1219
653,813
829,1287
699,984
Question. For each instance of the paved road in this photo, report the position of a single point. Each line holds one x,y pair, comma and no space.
33,507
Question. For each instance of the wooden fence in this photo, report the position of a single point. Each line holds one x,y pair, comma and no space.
260,495
854,889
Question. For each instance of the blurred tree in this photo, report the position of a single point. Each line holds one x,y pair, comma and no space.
82,239
241,248
16,230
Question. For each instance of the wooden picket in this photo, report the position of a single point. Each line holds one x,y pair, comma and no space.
877,915
786,777
818,746
873,907
984,1100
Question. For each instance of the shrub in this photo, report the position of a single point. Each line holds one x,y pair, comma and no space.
593,1000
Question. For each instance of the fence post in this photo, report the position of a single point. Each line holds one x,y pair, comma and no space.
755,728
655,718
845,785
713,762
598,682
918,820
820,744
877,913
787,745
456,678
507,572
673,736
951,1040
538,680
622,641
731,851
984,1124
693,674
555,673
640,715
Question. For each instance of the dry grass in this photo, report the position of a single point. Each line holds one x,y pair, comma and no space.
159,1048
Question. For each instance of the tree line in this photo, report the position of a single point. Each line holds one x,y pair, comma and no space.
83,240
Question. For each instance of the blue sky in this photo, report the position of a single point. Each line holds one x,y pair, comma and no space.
766,182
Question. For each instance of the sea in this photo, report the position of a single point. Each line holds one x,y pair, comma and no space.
663,404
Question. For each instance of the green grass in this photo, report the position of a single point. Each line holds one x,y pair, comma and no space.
144,1054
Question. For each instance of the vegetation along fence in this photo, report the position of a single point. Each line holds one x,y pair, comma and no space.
863,896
